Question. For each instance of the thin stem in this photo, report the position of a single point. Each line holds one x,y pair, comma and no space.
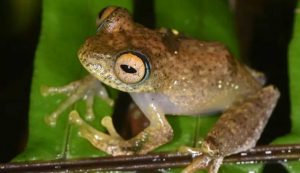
261,154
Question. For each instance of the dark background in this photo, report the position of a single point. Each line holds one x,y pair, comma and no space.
20,27
264,29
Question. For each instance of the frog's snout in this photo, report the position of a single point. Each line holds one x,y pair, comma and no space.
81,53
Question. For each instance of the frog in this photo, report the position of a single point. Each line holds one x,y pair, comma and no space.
167,73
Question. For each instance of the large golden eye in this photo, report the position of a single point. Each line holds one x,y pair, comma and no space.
104,13
132,67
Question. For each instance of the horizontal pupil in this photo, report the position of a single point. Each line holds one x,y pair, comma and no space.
128,69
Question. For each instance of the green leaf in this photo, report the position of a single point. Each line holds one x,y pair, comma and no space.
232,168
202,19
64,29
66,24
294,75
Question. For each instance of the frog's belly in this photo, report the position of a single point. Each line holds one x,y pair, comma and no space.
183,105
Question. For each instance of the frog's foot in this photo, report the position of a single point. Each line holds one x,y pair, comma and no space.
205,161
190,150
202,160
86,88
111,143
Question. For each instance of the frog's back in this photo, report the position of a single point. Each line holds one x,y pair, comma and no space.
203,77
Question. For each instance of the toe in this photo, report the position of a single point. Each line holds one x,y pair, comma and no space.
198,163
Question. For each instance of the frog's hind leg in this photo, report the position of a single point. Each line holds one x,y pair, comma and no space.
237,130
86,89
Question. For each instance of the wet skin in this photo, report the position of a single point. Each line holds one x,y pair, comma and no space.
167,73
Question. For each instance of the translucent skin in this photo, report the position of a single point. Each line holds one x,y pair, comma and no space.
187,76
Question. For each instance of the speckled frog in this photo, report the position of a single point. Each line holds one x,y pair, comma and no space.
167,73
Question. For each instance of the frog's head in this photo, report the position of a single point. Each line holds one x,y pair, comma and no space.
115,56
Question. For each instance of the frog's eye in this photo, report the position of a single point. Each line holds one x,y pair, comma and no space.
132,67
104,14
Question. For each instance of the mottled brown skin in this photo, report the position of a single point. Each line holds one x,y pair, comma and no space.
189,73
187,76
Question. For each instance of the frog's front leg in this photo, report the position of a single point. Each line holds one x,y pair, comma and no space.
237,130
86,89
157,133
